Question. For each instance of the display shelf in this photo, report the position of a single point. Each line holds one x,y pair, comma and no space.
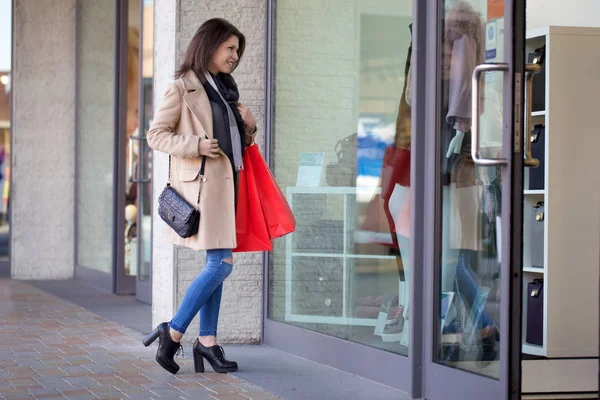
534,270
528,192
567,243
346,258
334,255
533,349
319,319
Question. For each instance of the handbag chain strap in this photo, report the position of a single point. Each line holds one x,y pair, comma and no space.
201,178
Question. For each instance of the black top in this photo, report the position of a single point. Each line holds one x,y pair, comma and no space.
220,116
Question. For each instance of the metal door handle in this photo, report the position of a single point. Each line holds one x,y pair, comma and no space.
530,70
138,178
477,73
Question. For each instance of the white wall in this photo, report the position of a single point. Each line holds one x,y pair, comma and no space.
5,34
557,12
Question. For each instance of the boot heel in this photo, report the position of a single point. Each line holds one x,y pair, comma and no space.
150,338
198,363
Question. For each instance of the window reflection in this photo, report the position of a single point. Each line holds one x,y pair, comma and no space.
342,155
471,196
130,142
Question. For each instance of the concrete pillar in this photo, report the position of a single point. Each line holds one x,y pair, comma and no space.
43,140
174,268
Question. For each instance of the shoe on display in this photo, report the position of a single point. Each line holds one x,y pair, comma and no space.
393,330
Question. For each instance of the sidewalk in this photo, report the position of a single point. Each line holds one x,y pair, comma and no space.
53,349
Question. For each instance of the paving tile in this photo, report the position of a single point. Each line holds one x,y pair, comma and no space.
75,392
18,382
112,396
38,392
52,371
5,375
82,382
222,378
74,370
222,389
260,396
180,385
100,369
230,397
18,396
140,392
21,372
197,393
50,395
12,390
62,385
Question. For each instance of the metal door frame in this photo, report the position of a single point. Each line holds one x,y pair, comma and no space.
122,284
442,382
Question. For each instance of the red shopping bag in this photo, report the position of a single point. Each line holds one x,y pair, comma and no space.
278,214
250,226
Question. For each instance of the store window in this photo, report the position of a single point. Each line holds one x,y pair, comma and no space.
95,133
131,145
341,153
5,68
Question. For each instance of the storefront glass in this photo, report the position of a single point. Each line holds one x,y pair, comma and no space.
341,146
145,166
5,68
469,266
131,133
95,133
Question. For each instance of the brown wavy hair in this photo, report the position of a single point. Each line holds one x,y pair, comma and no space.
205,43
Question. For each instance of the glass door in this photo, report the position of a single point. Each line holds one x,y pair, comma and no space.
139,107
472,267
136,72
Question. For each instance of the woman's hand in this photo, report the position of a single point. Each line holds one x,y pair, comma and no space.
209,148
247,117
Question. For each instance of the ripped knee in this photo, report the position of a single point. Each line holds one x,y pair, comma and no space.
228,260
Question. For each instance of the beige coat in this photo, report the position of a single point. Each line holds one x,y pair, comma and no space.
183,118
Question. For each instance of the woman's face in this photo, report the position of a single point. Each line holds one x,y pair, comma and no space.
225,57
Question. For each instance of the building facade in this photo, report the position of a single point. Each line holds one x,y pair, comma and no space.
418,261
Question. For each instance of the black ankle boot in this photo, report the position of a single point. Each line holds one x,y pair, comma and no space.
166,347
215,356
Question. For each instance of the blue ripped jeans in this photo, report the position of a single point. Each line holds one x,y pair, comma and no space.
204,295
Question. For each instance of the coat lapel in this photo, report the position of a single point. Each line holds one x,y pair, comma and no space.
197,101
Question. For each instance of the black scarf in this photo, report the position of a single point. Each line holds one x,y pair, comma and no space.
231,94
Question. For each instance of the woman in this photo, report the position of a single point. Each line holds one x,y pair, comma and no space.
200,118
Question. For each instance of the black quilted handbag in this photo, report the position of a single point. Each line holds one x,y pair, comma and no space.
180,215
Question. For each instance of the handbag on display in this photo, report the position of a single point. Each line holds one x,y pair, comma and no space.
535,312
343,172
180,215
536,240
539,79
538,151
